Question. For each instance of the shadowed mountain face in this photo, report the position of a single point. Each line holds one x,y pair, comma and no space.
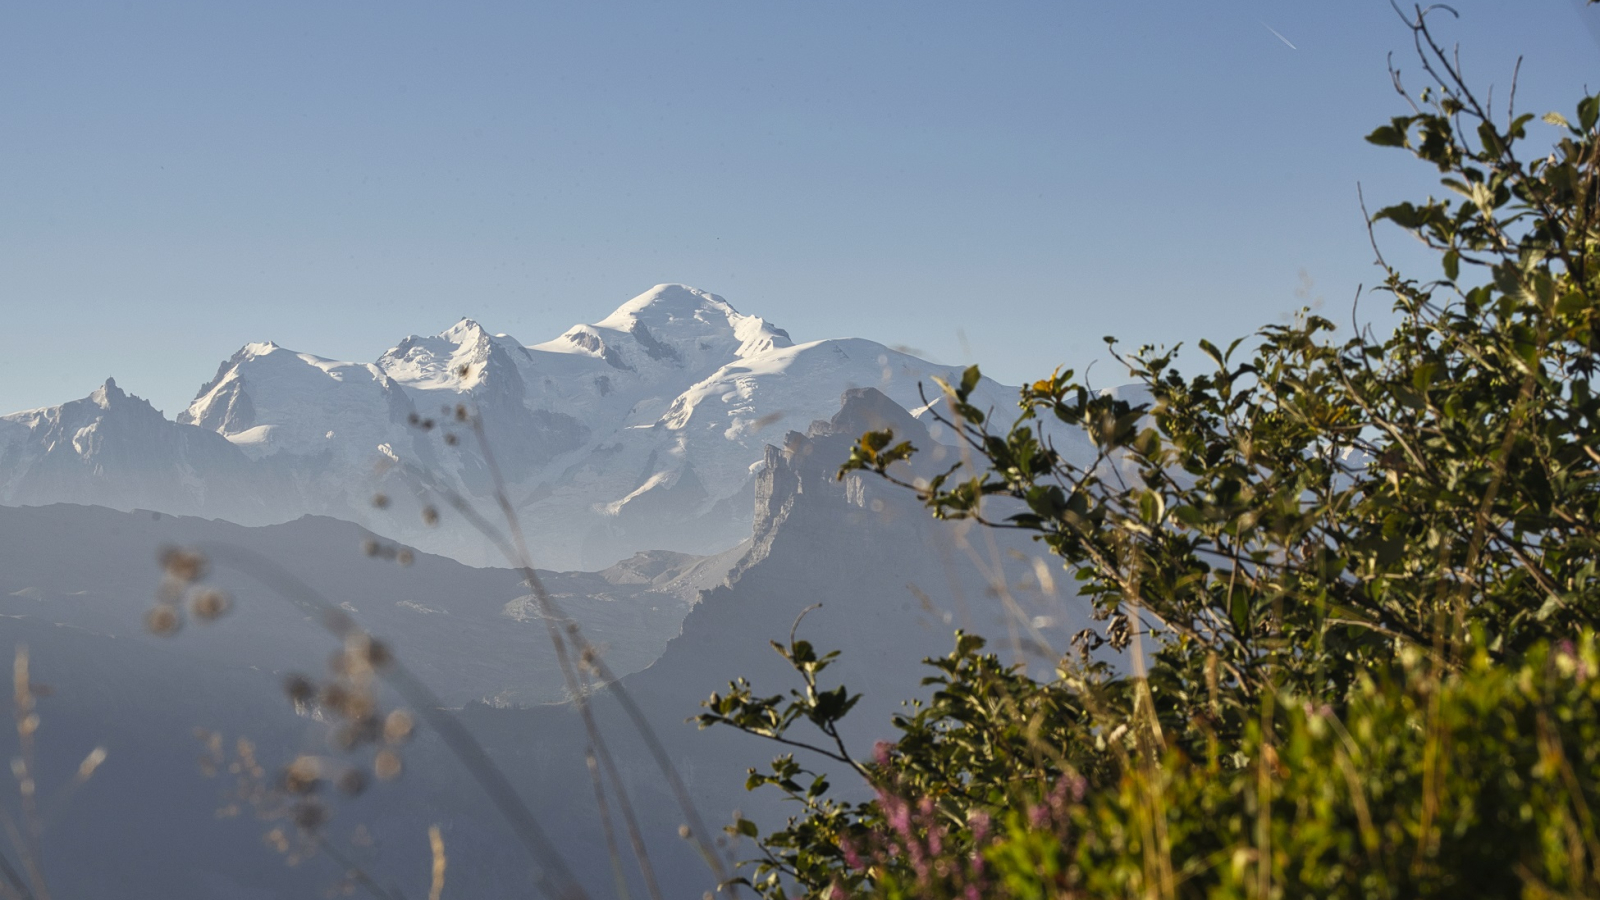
473,634
639,432
892,585
74,581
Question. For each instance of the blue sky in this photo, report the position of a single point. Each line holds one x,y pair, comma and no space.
1002,183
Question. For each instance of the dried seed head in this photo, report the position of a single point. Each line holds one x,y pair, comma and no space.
209,605
310,815
377,654
163,619
334,697
464,370
182,565
386,765
684,832
303,776
361,710
398,726
461,412
352,782
430,516
369,547
344,738
299,688
405,557
451,440
380,501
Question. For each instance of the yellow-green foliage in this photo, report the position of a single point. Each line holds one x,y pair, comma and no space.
1476,783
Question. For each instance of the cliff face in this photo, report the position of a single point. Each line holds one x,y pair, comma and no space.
798,494
892,584
882,570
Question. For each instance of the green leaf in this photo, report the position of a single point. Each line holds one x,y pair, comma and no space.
1239,612
802,652
1572,303
1393,135
969,381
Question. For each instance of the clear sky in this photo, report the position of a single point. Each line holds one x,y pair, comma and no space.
998,182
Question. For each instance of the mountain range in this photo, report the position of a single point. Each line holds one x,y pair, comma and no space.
642,431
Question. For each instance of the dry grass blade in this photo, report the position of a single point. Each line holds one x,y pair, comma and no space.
552,876
436,845
28,839
358,875
565,636
514,548
555,621
612,852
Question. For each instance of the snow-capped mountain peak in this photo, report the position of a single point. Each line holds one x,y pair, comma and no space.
665,304
268,399
459,358
671,318
464,330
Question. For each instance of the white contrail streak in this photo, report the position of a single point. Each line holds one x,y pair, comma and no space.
1279,36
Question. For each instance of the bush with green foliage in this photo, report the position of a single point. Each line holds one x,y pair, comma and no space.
1358,579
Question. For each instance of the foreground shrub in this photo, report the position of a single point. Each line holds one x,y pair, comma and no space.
1357,579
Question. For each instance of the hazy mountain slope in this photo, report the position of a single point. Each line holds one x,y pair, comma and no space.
474,634
147,824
